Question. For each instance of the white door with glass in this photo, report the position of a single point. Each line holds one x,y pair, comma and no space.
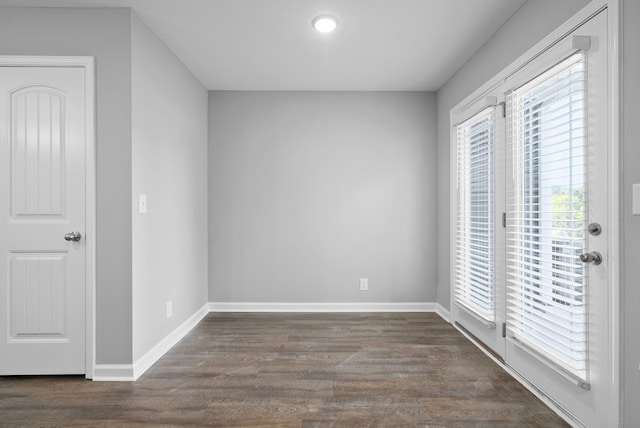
548,261
477,296
42,220
558,296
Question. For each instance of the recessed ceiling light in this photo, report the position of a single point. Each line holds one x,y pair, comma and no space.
324,23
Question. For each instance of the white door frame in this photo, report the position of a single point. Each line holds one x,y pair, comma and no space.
86,63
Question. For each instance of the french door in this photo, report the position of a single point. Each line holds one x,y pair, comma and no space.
531,232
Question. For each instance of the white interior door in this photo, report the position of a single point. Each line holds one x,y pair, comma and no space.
42,202
557,302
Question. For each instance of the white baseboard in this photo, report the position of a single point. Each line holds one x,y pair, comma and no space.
444,313
150,357
321,307
131,372
113,372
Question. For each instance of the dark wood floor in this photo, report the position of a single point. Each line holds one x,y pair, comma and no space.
294,370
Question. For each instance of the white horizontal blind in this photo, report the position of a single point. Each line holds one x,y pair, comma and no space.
474,267
546,282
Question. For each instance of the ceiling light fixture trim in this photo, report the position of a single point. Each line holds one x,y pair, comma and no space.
324,23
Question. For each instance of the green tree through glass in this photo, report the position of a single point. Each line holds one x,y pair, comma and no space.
567,212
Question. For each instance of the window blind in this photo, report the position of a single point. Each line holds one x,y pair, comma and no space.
546,281
474,253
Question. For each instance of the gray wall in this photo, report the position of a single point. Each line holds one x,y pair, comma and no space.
106,35
310,191
530,24
169,163
630,224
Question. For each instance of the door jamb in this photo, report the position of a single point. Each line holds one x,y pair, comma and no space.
87,63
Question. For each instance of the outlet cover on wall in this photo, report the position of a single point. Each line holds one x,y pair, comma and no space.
364,284
169,308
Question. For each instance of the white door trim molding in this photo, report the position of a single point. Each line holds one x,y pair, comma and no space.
616,238
88,64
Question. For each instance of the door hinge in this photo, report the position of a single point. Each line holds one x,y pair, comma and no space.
504,219
504,329
504,109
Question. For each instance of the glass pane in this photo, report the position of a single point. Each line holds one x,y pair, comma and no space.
546,281
474,243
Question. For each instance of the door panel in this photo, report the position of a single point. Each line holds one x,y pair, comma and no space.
558,334
477,296
38,152
42,198
37,297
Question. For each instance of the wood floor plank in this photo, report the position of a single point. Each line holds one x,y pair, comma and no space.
294,370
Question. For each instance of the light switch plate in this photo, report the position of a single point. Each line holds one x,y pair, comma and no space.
142,204
636,199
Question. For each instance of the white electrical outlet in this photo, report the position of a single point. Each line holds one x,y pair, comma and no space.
364,284
142,204
169,308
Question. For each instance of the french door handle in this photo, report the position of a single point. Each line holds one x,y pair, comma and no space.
592,257
72,236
